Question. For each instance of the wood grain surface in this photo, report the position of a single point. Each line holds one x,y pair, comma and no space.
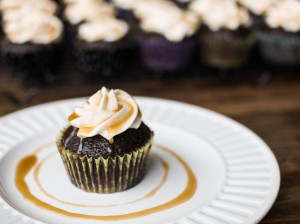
272,111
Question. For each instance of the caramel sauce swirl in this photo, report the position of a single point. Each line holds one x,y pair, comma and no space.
27,164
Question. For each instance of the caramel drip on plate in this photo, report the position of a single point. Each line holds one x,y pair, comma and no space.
29,162
148,195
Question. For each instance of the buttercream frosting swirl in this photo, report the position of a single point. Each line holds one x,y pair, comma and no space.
217,14
37,27
258,7
20,6
87,10
108,29
106,113
167,19
284,14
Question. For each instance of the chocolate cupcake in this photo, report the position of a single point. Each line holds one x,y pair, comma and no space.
106,146
226,40
32,34
279,38
102,47
167,35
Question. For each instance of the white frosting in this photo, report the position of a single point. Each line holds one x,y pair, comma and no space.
125,4
106,113
87,10
25,6
107,29
36,27
258,7
217,14
167,19
285,14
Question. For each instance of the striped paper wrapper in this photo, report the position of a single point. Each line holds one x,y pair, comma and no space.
105,175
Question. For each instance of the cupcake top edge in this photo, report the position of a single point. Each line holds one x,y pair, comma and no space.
87,10
218,14
284,14
36,27
106,113
108,29
165,18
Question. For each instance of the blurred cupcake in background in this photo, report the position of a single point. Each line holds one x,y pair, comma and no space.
226,40
167,35
257,9
31,36
279,39
102,47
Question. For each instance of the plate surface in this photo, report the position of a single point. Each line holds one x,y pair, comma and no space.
237,176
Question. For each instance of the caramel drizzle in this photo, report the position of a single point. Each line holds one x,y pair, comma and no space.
148,195
27,163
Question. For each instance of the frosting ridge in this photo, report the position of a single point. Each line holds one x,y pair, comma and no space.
107,113
167,19
284,14
107,29
217,14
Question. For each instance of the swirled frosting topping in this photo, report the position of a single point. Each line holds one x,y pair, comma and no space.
87,10
46,6
106,113
284,14
36,27
18,9
217,14
108,29
258,7
167,19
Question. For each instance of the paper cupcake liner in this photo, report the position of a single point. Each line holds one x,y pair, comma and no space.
225,51
161,55
279,47
105,175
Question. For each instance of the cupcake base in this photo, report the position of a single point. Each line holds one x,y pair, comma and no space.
30,62
279,47
160,55
226,49
105,175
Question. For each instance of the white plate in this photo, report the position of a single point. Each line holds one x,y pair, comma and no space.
237,175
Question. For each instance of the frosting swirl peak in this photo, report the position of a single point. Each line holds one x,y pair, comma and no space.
106,113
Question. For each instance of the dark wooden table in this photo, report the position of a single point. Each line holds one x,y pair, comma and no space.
271,110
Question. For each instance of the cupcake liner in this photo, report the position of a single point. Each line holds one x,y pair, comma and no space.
279,47
29,62
105,175
161,55
225,50
125,14
102,60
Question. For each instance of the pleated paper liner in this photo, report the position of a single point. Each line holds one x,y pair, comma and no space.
105,175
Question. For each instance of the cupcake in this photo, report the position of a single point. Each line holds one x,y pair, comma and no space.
166,39
279,38
106,146
31,36
226,40
102,46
